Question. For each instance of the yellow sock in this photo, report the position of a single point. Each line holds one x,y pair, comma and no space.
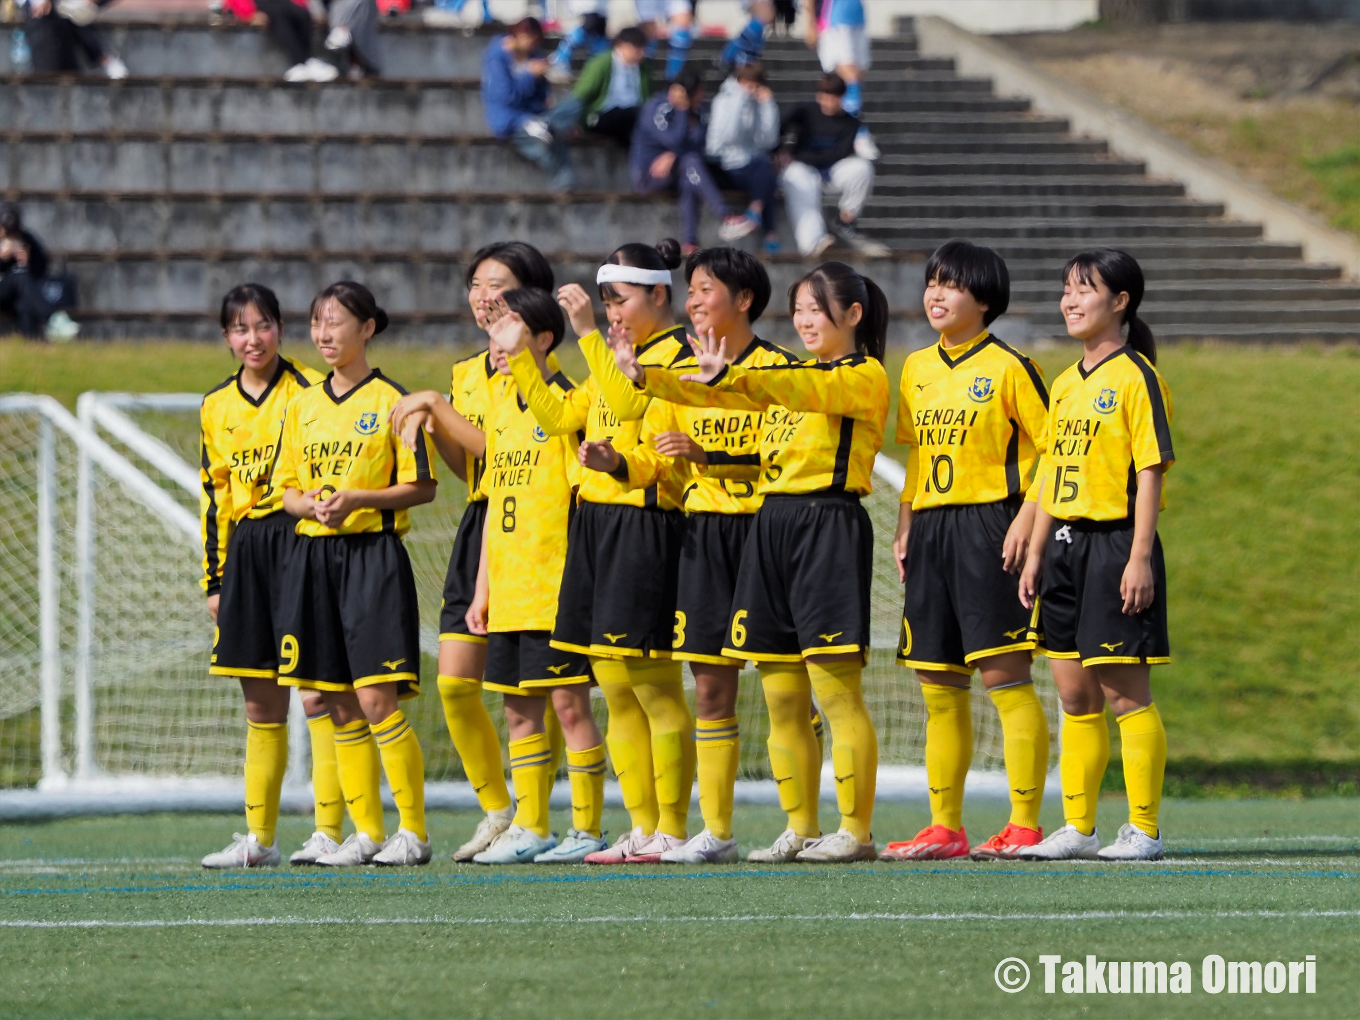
1024,735
854,744
949,751
819,731
356,759
793,749
556,739
585,770
329,801
405,767
629,740
531,772
1081,763
717,747
475,739
659,689
1143,738
266,762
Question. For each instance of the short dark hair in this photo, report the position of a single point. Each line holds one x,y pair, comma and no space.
633,36
11,222
690,78
356,299
738,270
528,26
978,270
540,312
752,72
528,264
831,83
238,299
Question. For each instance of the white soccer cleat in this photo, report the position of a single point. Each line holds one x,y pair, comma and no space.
244,852
574,849
487,829
840,847
516,845
358,849
653,847
1066,844
786,848
629,843
317,844
1133,844
404,850
704,848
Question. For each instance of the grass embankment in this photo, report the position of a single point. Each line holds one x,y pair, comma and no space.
1260,536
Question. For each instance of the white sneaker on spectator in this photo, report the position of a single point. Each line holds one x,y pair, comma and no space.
322,71
734,228
559,74
339,38
115,69
865,146
61,328
537,128
299,72
822,246
851,236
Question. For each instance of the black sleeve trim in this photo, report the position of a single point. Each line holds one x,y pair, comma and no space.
1161,424
211,539
422,460
718,378
1030,369
718,458
1013,460
621,470
841,473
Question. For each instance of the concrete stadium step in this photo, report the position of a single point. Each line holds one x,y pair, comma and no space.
916,123
1083,229
1021,145
1049,187
1216,292
1249,271
984,165
962,105
1152,208
1277,313
1054,253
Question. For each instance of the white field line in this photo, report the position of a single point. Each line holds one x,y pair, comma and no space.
1089,915
1235,840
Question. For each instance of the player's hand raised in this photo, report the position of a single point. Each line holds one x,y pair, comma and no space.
678,444
600,456
711,353
577,307
625,355
506,329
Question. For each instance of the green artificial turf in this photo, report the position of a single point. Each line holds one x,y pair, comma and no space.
1247,880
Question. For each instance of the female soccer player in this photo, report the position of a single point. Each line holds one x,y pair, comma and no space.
617,601
350,618
1097,581
973,413
457,428
801,605
530,482
240,431
719,454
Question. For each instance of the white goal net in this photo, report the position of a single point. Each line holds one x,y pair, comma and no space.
104,637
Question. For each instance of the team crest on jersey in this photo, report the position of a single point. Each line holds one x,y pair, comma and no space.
539,435
1106,401
981,390
367,423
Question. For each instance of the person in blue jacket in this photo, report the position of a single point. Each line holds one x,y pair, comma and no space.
515,100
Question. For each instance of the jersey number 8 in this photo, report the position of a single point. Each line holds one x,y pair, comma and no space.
508,514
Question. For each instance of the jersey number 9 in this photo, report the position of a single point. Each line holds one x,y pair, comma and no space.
288,654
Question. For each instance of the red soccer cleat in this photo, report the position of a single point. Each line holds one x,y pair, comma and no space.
933,843
1007,844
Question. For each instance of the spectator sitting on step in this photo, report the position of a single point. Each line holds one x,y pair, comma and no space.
743,128
837,31
290,24
819,155
354,34
515,100
610,91
589,33
59,33
23,266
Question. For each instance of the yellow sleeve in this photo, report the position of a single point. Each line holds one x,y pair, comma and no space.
623,398
646,467
558,413
853,389
414,465
214,508
1148,410
913,467
1031,407
665,384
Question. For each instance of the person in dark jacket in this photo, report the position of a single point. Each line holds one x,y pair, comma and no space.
23,266
59,39
515,100
821,151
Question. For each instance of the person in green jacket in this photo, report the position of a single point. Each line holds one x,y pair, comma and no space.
609,92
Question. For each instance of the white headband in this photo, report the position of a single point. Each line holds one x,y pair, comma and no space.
611,273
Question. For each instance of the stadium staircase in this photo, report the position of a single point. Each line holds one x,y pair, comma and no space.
203,169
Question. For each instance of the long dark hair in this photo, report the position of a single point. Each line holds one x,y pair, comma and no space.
539,310
528,264
357,299
665,254
238,299
1119,271
836,285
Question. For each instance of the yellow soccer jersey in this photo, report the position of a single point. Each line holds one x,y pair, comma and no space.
585,408
335,443
238,441
974,419
529,481
470,393
1105,426
730,438
823,422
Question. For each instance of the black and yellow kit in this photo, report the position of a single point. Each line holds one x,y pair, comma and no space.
1105,425
803,585
719,498
618,585
247,540
974,419
475,388
350,616
529,482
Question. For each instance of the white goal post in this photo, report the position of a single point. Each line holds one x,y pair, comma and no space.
105,701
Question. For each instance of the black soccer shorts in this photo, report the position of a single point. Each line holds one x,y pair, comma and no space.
259,557
460,583
710,559
523,662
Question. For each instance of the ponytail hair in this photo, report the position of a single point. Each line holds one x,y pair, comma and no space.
664,255
356,299
835,285
1119,272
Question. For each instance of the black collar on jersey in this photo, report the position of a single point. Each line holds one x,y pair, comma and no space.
1109,357
676,332
955,362
755,344
254,401
488,365
373,374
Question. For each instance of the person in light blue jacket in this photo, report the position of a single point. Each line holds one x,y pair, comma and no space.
743,129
